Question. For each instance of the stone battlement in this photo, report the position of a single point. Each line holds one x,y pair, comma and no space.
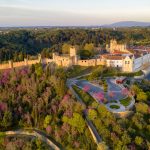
26,62
128,62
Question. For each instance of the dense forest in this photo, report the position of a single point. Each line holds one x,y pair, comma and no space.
18,44
37,97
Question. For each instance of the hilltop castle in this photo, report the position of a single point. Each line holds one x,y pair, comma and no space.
66,60
118,56
115,47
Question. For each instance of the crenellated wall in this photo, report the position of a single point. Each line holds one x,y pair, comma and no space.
90,62
4,66
128,64
26,62
31,62
18,64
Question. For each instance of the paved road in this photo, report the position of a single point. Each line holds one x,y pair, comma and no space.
35,133
112,86
96,89
93,130
148,77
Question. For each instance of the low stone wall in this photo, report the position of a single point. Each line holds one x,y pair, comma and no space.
123,114
130,107
139,77
35,134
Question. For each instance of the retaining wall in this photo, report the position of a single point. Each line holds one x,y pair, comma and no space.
123,114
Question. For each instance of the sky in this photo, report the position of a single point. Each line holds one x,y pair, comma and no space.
72,12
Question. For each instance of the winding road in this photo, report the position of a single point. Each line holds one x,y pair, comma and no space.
35,133
90,125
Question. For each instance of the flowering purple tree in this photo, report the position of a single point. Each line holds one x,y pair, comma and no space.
49,129
3,106
125,91
68,113
86,88
74,132
54,108
65,101
65,127
5,77
76,144
24,71
99,96
66,97
57,135
19,143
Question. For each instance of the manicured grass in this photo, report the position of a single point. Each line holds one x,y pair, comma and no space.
114,106
109,74
79,70
87,99
113,101
125,102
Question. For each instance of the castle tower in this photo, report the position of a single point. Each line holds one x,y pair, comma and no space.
73,51
26,62
10,64
113,44
73,55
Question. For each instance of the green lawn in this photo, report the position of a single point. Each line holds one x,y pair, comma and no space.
79,70
113,101
112,74
114,106
125,102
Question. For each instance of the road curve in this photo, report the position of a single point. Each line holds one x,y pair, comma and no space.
90,125
34,133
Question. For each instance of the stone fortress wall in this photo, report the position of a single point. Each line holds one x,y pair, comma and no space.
26,62
92,62
129,62
64,61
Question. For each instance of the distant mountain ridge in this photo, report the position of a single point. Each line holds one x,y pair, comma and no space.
113,25
128,24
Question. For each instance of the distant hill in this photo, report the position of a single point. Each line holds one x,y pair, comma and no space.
128,24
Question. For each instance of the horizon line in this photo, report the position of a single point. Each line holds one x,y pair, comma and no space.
101,25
